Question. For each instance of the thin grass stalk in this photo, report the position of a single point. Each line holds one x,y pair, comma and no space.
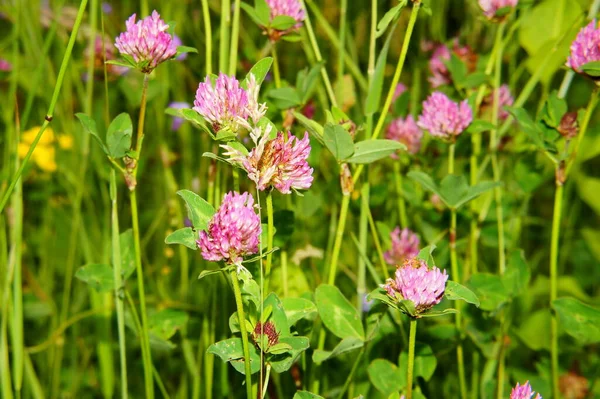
224,34
396,78
266,384
456,276
144,339
53,101
208,35
319,57
242,321
270,235
562,173
399,193
352,372
342,51
117,273
361,283
331,35
235,38
276,72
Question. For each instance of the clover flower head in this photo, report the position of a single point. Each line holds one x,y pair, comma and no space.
491,7
290,8
233,232
416,282
585,48
440,75
279,162
523,392
405,245
505,99
267,330
224,105
405,131
443,117
147,42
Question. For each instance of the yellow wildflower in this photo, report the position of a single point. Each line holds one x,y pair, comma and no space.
45,153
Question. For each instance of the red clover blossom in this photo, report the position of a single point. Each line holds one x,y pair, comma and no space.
443,117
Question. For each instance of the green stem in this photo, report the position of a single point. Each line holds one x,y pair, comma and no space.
284,272
235,38
224,34
315,47
270,234
399,66
339,235
331,35
342,52
242,321
399,193
266,384
501,369
494,152
361,283
208,35
116,257
377,242
456,277
411,357
558,199
352,372
276,72
53,101
144,339
584,126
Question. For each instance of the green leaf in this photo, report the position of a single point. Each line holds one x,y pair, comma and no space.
346,345
231,350
165,323
479,125
118,136
517,274
309,82
476,191
314,128
279,348
452,189
185,50
535,330
426,254
369,151
475,79
259,70
282,363
529,127
263,11
199,211
278,316
376,87
338,141
389,16
554,109
306,395
127,253
197,121
579,320
338,314
592,68
283,22
298,308
186,236
386,377
209,272
425,180
437,313
89,126
455,291
120,63
490,290
425,361
285,97
251,11
99,276
457,69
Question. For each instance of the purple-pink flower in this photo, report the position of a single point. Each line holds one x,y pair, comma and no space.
443,117
406,131
278,162
5,66
223,105
416,282
233,232
440,75
405,245
505,99
585,48
491,7
523,392
290,8
147,42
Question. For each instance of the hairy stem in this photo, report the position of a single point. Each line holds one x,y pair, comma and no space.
411,358
242,321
